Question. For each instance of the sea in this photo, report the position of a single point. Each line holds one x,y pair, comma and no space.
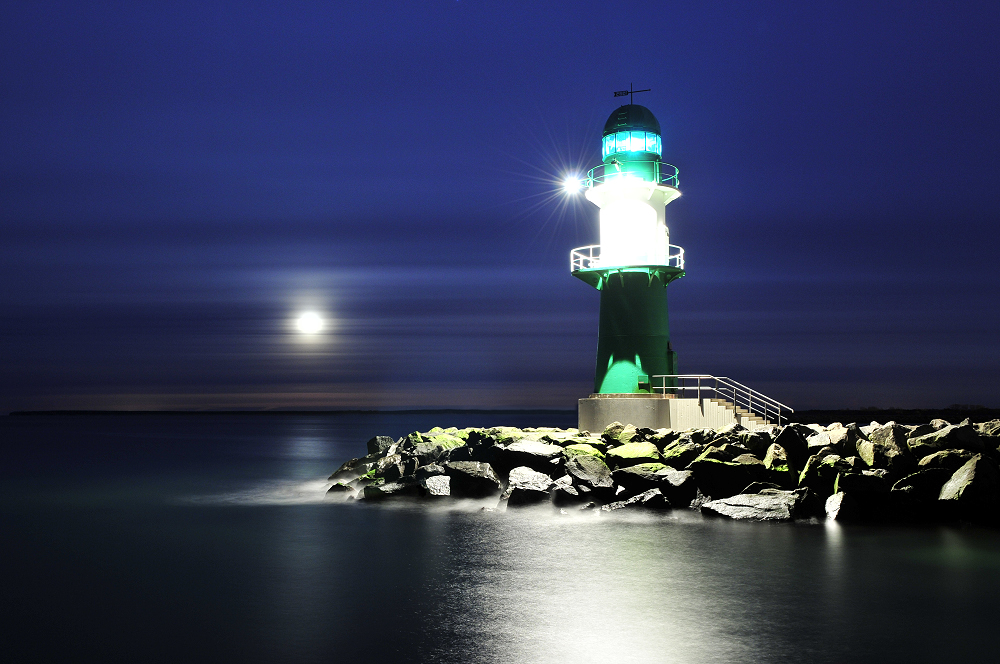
207,538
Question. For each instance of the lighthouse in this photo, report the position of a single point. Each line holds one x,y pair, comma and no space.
631,268
636,379
634,261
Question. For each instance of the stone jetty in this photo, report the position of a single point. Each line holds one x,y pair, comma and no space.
876,473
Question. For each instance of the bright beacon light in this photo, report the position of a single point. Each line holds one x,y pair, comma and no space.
309,323
572,185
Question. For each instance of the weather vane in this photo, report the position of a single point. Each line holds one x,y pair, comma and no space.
629,92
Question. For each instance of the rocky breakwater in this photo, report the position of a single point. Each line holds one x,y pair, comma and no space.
873,473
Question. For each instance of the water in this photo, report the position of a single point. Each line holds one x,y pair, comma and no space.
205,538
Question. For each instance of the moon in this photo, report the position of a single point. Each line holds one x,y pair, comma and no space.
309,323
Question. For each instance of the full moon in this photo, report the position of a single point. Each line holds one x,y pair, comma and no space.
309,323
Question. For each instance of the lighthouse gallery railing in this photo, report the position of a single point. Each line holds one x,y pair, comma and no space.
589,258
651,171
726,388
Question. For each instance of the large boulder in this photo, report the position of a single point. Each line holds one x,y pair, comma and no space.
862,482
821,472
845,439
842,507
384,491
526,486
638,478
976,483
353,468
990,429
793,440
472,479
564,492
436,448
923,486
436,486
950,459
542,457
890,449
651,499
950,437
721,479
779,467
678,486
631,454
590,471
582,448
768,505
680,455
379,444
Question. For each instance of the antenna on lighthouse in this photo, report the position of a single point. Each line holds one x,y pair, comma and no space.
629,92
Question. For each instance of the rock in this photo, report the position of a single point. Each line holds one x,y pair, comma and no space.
424,472
950,437
436,485
923,485
582,448
846,439
865,481
757,487
732,429
841,507
769,505
976,482
940,424
564,493
664,437
890,443
631,454
991,428
526,486
817,441
387,490
612,431
651,499
436,448
542,457
820,473
341,491
681,455
380,444
780,469
757,442
721,479
353,469
472,479
950,459
717,453
678,486
638,478
590,471
394,466
793,439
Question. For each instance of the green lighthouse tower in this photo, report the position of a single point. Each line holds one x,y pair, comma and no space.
634,261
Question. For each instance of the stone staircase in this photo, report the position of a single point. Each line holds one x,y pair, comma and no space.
735,413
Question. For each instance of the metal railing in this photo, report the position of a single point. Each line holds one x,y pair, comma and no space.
726,388
588,258
657,172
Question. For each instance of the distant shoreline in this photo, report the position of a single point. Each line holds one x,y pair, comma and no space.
860,416
356,411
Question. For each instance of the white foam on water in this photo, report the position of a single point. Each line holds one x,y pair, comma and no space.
273,492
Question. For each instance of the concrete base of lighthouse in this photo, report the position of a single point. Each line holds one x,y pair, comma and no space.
655,411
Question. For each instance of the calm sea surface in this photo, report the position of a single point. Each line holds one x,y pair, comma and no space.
205,538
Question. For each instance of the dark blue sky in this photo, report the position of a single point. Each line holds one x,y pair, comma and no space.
176,184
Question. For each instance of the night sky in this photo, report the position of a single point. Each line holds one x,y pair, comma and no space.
178,183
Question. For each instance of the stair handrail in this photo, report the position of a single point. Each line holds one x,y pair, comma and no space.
741,395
